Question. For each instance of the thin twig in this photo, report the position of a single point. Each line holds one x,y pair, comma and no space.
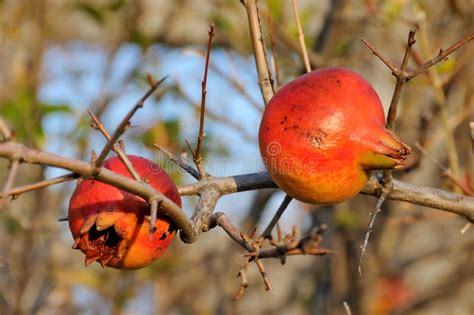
271,32
124,124
219,118
373,216
442,54
15,163
232,78
179,161
440,101
244,283
262,40
197,157
292,244
446,172
39,185
267,233
392,112
118,148
304,51
376,52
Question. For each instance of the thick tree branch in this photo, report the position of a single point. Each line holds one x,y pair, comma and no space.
425,196
10,150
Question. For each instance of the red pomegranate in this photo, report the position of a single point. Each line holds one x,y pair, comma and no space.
109,225
322,134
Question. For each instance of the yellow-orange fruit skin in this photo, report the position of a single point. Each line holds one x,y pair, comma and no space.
322,133
97,206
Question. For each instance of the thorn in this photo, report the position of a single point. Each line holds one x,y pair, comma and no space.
91,259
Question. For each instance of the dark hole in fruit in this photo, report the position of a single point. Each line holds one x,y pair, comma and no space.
105,242
163,236
171,228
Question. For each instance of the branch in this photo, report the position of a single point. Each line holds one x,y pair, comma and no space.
197,158
10,150
373,216
304,51
15,192
420,195
267,233
264,79
179,161
124,124
425,196
440,57
271,32
10,179
118,148
291,244
204,209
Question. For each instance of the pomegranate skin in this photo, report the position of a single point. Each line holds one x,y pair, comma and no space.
322,133
109,225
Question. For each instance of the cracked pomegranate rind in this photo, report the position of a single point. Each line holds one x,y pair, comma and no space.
109,226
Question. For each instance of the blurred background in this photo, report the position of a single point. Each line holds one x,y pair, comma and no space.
59,58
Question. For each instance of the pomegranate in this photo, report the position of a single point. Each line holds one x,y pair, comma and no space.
322,134
109,225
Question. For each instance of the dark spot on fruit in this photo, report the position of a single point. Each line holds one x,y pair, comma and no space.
171,228
286,128
338,82
318,139
163,236
268,128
